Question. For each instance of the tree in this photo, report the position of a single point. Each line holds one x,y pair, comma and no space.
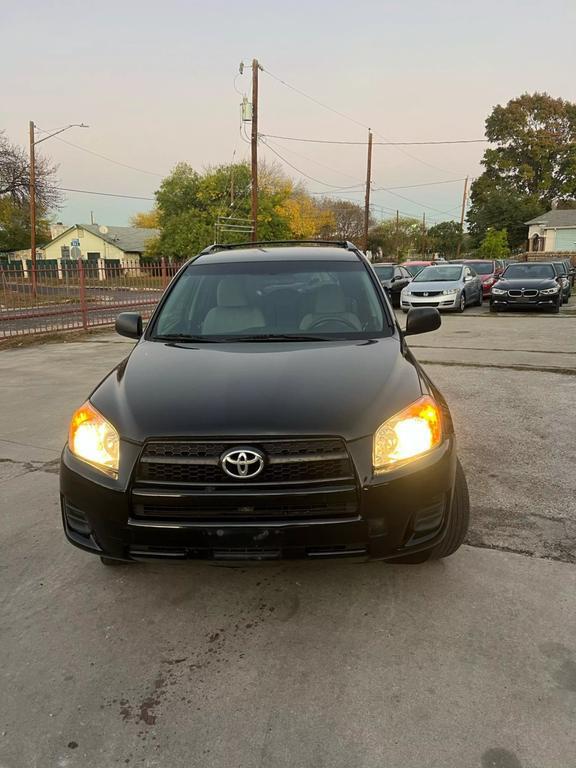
532,164
15,227
494,245
306,217
390,238
190,203
15,178
346,220
146,219
443,238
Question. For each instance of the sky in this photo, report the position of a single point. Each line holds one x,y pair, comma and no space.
158,83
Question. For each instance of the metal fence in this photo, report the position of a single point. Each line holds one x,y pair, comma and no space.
70,294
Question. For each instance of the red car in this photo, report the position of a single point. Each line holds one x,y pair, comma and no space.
488,270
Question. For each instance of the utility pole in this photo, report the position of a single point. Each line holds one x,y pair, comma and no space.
464,196
255,68
423,235
367,198
32,195
397,238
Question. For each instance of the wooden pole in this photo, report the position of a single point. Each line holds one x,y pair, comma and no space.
254,143
367,198
462,214
32,195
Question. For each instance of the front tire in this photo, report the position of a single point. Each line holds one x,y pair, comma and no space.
462,304
480,299
459,519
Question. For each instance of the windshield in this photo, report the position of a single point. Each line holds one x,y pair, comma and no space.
272,300
384,273
529,271
482,267
561,268
438,274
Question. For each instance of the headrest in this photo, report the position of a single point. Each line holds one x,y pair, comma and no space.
330,300
231,292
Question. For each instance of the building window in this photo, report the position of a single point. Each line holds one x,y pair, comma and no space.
65,252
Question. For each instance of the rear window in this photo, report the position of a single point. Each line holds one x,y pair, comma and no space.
481,267
384,273
280,298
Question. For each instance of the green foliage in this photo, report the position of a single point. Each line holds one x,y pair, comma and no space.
189,204
404,239
532,163
443,238
494,245
15,226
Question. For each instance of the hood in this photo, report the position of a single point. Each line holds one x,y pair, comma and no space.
258,389
523,282
434,285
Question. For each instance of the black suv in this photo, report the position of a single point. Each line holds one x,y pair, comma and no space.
271,409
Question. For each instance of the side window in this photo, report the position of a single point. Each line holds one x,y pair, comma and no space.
405,273
397,272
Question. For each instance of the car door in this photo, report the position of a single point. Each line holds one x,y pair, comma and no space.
400,280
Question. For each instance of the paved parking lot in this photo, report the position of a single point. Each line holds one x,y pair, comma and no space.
466,662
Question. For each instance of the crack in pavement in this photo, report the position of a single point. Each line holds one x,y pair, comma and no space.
511,367
490,349
52,466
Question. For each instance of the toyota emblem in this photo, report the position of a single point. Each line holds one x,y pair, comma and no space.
242,463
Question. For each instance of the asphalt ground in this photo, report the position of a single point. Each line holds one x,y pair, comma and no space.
465,662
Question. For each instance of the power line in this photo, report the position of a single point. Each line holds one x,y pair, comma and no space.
353,120
105,157
105,194
377,143
302,173
311,159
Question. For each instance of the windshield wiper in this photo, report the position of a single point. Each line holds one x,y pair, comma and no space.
276,337
184,337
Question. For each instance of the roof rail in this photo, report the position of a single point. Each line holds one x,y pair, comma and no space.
262,243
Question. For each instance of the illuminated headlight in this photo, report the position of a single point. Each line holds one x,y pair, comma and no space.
498,291
94,440
409,434
450,292
550,291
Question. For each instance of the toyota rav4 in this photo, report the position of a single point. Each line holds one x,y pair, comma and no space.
271,409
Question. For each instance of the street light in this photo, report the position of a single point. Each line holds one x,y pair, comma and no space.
33,142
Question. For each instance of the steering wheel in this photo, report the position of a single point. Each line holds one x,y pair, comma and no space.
347,324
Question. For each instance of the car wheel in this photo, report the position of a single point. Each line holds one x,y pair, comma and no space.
462,304
109,561
556,307
480,298
459,518
493,308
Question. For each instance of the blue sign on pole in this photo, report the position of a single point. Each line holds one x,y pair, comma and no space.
75,242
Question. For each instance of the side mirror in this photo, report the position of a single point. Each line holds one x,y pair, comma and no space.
129,324
468,279
422,320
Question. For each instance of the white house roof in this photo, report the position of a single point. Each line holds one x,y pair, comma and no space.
556,218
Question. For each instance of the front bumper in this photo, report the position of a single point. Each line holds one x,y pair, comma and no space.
401,514
524,302
450,301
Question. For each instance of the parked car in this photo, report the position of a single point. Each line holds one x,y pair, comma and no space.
488,270
564,278
527,285
416,266
444,286
394,278
249,424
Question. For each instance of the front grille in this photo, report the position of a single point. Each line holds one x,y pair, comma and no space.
528,293
426,293
187,462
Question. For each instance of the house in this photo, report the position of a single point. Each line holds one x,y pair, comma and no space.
93,242
553,232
